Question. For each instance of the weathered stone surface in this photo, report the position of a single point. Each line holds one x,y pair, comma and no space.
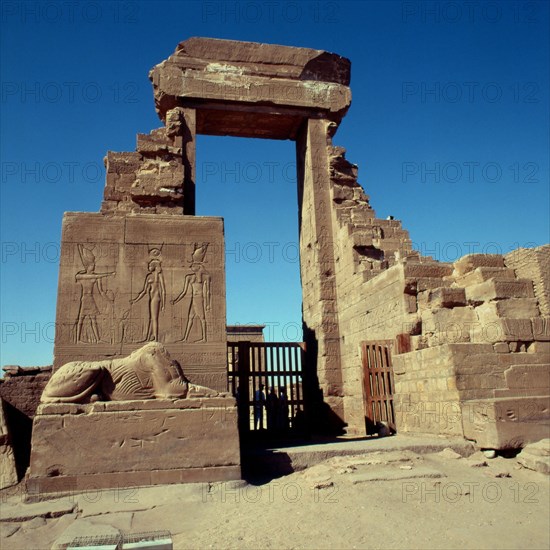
513,308
8,472
28,511
506,423
159,177
444,297
134,446
125,281
536,456
23,386
264,59
534,264
502,330
269,78
443,325
472,261
432,269
499,290
482,274
521,377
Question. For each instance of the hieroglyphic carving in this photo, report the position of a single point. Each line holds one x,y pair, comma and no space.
128,268
199,283
89,280
155,287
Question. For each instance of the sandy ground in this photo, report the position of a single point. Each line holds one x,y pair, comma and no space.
395,499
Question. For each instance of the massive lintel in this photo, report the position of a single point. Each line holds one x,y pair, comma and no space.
252,90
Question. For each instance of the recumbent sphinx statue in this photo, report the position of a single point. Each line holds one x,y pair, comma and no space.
147,373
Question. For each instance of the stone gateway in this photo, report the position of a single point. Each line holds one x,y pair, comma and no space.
469,341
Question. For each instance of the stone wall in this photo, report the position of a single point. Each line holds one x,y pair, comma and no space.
369,292
8,471
23,386
20,392
378,289
159,177
477,330
480,365
534,264
247,333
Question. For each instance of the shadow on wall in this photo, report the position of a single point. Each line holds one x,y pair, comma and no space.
20,430
320,418
20,392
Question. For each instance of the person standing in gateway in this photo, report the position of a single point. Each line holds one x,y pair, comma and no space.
259,404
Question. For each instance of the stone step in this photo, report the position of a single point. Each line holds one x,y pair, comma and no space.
289,458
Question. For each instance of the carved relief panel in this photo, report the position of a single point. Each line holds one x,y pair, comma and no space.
128,280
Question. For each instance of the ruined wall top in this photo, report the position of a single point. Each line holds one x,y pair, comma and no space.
250,89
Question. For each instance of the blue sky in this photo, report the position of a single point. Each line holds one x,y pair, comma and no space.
449,125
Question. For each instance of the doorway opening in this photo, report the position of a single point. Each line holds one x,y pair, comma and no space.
251,183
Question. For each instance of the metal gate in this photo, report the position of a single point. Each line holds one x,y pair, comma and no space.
278,407
377,384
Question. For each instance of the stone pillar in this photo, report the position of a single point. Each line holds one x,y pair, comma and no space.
319,309
189,145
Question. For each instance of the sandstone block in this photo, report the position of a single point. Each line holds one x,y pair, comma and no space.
512,308
481,274
502,330
445,325
298,80
517,308
498,290
507,423
446,298
123,444
536,456
122,163
529,377
430,270
501,347
472,261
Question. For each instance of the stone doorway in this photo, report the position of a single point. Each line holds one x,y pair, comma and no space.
242,181
227,88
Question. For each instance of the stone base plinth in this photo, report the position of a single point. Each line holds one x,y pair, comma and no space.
121,444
